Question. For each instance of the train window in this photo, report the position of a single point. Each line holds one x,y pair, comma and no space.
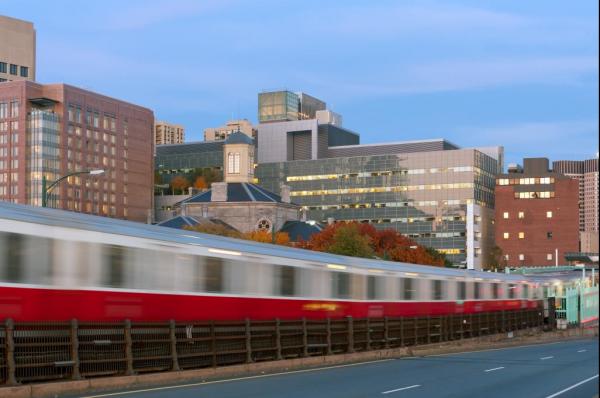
340,284
115,265
285,283
375,288
437,289
511,291
496,290
462,291
408,288
477,290
11,262
213,274
525,291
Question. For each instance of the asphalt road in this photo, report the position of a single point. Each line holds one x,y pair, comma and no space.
564,369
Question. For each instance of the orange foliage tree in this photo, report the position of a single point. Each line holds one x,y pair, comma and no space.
200,183
280,238
387,244
179,183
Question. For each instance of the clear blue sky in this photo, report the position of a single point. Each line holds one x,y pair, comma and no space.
523,74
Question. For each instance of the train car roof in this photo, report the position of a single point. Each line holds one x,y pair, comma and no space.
69,219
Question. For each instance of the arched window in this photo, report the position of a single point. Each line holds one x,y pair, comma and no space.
230,162
236,163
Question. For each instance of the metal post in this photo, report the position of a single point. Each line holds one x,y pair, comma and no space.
428,329
128,348
213,336
386,332
9,328
248,341
350,334
329,351
278,337
75,349
173,338
368,334
304,338
401,331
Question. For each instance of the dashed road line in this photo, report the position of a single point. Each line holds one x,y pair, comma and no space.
493,369
556,394
400,389
582,351
544,358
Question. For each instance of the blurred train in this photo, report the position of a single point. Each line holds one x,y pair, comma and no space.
59,265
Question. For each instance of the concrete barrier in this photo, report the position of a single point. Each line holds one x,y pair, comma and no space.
88,386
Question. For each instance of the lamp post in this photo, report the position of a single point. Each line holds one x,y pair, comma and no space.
46,190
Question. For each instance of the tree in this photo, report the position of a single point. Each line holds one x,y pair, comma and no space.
279,238
200,183
349,241
214,229
495,259
179,183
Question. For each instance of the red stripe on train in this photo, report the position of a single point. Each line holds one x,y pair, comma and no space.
38,304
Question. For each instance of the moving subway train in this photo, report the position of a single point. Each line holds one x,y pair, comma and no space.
58,265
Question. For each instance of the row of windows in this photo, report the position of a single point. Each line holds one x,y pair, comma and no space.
525,181
521,235
38,260
521,257
402,188
14,110
13,69
387,173
521,214
448,202
534,195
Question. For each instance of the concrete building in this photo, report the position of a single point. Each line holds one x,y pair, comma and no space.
167,133
586,173
55,129
237,201
536,218
17,50
281,106
432,191
222,132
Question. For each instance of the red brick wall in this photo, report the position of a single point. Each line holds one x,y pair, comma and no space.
535,246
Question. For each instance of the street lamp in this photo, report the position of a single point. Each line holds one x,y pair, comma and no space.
46,191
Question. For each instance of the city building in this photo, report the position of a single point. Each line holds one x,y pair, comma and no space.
536,219
586,173
237,201
280,106
432,191
53,130
167,133
185,159
17,50
222,132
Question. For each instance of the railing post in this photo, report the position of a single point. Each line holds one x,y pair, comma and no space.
350,334
128,348
368,334
416,331
173,339
329,350
386,332
248,331
278,338
428,329
75,349
9,329
401,331
213,339
304,338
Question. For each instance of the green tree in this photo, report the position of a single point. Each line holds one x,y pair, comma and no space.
495,259
348,241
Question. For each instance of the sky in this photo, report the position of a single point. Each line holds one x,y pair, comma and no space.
522,74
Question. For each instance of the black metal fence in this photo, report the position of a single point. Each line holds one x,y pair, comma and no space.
36,352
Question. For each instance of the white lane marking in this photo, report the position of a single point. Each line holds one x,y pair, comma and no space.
491,370
556,394
544,358
400,389
204,383
582,351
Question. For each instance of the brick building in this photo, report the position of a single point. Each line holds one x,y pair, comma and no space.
56,129
537,215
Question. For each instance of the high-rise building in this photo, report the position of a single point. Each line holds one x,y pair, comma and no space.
168,133
17,49
536,219
586,173
279,106
222,132
55,129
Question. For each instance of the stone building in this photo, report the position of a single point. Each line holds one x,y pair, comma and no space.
237,201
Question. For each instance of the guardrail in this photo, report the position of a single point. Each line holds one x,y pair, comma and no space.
36,352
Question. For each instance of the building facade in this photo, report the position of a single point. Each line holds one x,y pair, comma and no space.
53,130
586,173
185,159
536,218
222,132
17,50
167,133
431,196
280,106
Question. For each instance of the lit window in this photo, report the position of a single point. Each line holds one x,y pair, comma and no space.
548,214
505,215
506,235
549,256
521,214
521,257
521,235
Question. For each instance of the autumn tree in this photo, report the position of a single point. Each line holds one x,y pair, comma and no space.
200,183
349,241
180,184
279,238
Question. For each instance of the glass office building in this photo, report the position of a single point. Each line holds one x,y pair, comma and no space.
280,106
430,196
181,159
